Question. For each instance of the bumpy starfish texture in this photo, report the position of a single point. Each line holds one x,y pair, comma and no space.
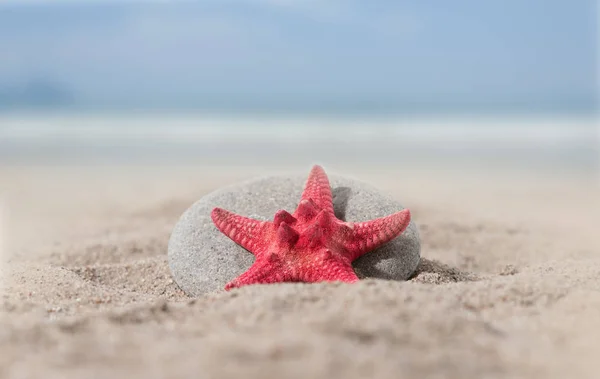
311,245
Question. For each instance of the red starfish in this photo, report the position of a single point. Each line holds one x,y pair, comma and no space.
311,245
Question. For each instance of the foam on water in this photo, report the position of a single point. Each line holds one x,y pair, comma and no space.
540,131
182,138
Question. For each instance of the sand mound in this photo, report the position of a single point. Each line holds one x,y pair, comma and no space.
434,272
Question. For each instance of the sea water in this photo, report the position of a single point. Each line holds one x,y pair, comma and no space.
551,142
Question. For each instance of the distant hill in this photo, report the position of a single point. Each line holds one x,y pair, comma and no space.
35,93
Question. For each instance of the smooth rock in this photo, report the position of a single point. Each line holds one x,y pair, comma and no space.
203,260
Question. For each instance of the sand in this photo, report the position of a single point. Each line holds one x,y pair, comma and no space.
509,284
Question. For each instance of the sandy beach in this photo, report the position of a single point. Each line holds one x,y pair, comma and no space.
509,284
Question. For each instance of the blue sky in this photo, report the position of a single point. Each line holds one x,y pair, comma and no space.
163,52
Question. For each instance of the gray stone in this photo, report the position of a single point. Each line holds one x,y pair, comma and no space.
203,260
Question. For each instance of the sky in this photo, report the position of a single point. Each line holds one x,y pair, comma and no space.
314,52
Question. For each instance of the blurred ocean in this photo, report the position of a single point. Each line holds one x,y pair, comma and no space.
480,84
569,142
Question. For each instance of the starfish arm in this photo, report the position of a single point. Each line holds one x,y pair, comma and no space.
318,190
251,234
363,237
262,271
329,269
